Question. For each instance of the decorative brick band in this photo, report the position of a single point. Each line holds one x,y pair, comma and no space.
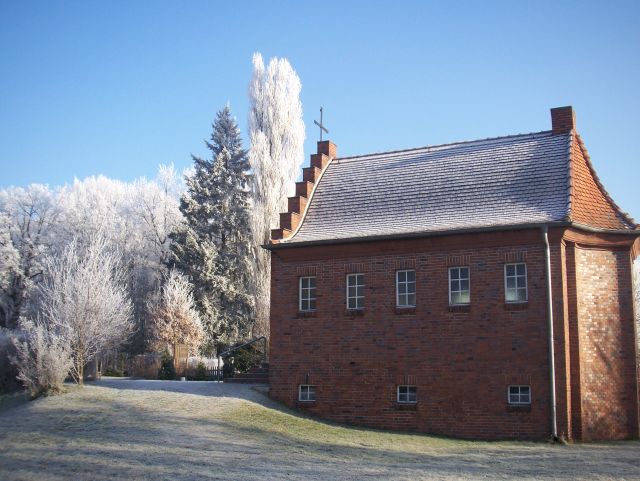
454,261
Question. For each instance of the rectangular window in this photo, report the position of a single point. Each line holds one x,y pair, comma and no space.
306,392
515,282
407,394
406,288
459,292
519,394
307,294
355,291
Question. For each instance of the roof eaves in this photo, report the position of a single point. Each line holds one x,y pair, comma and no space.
475,230
418,234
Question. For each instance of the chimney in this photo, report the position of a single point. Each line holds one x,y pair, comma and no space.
563,120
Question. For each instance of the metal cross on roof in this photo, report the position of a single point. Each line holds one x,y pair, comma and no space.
320,124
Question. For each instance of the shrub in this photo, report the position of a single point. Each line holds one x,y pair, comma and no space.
241,360
8,371
145,366
227,368
246,358
201,372
43,360
113,372
167,370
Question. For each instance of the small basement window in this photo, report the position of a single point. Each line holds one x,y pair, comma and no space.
307,294
459,290
306,392
406,288
355,291
407,394
515,282
519,394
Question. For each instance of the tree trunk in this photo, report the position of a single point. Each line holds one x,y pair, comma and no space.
80,371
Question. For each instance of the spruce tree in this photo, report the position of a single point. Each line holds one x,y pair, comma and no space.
213,248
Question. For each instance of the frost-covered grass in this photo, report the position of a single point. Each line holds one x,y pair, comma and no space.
8,401
123,429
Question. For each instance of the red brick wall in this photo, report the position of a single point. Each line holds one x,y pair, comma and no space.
589,205
461,360
608,380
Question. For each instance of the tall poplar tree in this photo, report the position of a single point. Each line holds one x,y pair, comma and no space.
276,132
213,247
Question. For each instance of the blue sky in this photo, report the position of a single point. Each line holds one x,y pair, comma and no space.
118,87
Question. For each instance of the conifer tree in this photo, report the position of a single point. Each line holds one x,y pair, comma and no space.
213,248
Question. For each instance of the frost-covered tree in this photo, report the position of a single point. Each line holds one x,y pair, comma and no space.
213,248
43,358
29,216
135,219
9,256
276,134
173,317
85,300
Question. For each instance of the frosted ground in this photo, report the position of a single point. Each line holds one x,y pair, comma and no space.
156,430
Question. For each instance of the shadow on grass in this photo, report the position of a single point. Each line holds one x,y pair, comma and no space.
136,436
8,401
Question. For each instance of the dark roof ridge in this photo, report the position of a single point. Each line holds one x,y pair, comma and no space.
540,133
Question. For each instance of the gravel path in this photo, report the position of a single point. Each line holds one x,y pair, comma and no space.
157,430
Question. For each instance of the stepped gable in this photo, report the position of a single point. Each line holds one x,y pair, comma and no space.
297,205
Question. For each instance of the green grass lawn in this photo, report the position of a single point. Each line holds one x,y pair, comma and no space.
146,430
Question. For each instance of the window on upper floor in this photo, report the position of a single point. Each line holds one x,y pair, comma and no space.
307,294
355,291
515,282
406,288
459,289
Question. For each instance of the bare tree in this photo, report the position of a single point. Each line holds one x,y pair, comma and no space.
173,317
43,358
84,298
276,134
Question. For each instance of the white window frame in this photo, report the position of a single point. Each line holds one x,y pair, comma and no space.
519,395
468,278
356,285
309,298
407,284
407,401
310,388
516,277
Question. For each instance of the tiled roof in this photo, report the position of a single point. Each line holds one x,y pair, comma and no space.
500,182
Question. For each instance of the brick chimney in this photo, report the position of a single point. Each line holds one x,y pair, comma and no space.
289,220
563,120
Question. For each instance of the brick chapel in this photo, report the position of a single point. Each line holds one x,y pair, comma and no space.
477,289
